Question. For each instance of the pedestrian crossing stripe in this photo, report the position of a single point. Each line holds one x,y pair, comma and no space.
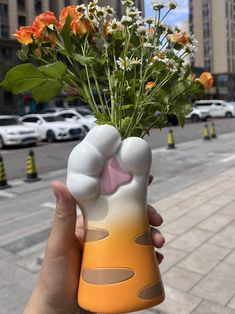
7,194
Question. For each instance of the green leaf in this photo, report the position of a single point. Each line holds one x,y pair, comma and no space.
55,70
66,33
180,88
125,124
22,78
64,52
48,90
181,120
83,60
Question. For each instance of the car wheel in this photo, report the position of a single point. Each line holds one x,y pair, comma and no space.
1,143
228,115
86,129
195,118
50,136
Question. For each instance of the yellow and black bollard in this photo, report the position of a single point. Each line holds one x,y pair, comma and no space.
170,140
31,171
213,131
3,178
206,133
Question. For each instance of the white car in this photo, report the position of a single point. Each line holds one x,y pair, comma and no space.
198,115
216,108
53,127
87,121
13,132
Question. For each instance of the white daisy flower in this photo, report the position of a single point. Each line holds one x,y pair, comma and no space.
136,61
124,64
126,20
133,12
172,5
142,30
110,10
158,5
148,45
128,3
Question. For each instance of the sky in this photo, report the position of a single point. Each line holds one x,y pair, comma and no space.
175,17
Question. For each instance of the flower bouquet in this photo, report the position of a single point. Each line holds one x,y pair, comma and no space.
138,69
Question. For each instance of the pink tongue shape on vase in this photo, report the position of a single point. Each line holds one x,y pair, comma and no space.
113,176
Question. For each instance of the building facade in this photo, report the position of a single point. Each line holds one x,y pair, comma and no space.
16,13
213,23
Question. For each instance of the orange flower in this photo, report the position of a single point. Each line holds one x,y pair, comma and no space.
150,85
43,20
206,79
69,10
180,37
25,34
80,25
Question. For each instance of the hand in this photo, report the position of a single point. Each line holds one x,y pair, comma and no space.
57,285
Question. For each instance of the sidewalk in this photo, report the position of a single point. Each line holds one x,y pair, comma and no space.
198,269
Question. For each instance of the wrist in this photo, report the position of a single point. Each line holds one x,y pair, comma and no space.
40,303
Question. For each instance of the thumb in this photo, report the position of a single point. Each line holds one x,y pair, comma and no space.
63,229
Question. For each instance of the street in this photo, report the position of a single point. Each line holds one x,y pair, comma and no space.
193,190
50,157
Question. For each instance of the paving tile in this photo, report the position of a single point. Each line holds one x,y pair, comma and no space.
231,303
215,222
204,258
230,259
193,201
230,191
172,213
30,262
213,191
168,237
14,297
181,224
171,257
204,210
181,279
191,239
225,271
222,199
186,193
178,302
229,209
225,237
10,273
7,256
166,203
215,289
207,307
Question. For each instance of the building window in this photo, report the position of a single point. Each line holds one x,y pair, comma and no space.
38,6
21,20
21,5
66,2
4,21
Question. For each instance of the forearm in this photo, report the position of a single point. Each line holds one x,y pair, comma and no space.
38,304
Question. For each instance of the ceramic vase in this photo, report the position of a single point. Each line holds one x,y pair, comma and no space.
109,177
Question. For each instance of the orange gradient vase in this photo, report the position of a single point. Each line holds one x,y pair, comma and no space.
108,178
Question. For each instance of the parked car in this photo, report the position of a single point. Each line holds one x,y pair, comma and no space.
172,119
198,115
72,115
54,127
216,108
51,110
13,132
